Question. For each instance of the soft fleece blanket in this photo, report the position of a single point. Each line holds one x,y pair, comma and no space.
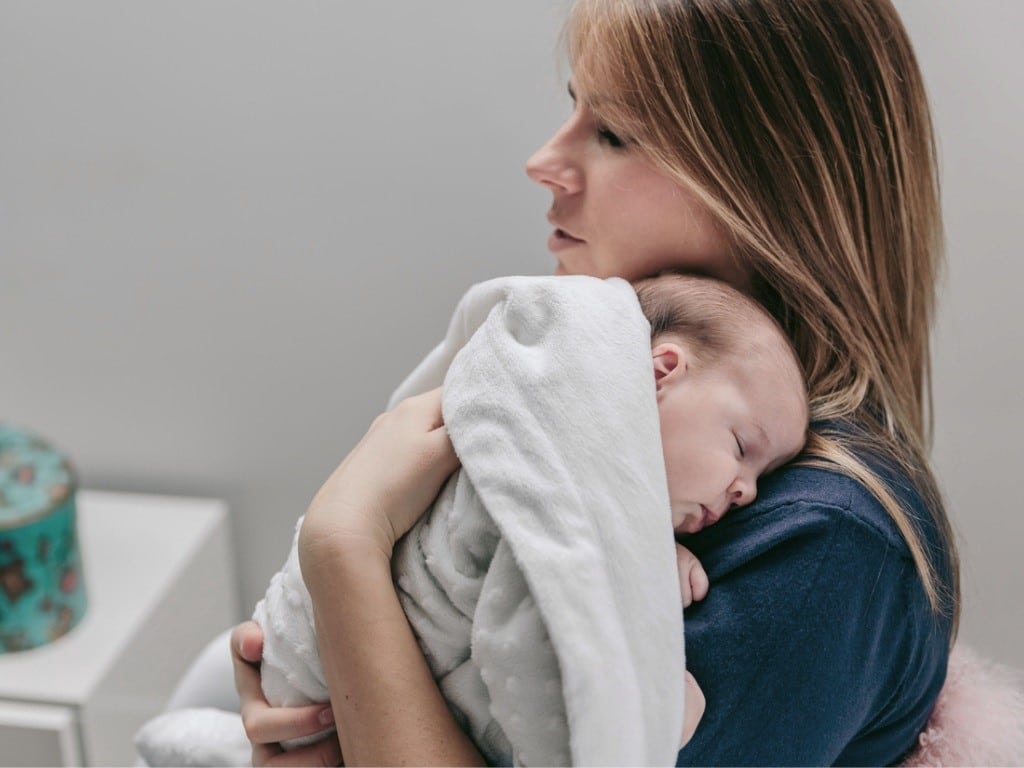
542,584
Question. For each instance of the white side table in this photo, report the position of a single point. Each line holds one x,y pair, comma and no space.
159,574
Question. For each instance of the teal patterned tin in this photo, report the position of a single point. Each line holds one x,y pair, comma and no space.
42,594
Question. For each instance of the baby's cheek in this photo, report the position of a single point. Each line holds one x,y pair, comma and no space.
677,518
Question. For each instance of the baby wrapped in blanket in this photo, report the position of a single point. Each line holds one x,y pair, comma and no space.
543,584
549,617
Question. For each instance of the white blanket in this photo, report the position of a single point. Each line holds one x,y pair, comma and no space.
542,585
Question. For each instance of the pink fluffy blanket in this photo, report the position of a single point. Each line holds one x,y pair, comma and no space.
978,718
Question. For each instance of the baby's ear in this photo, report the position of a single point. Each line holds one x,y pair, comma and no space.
670,362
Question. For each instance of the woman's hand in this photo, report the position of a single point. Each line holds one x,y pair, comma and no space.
387,706
266,726
385,484
374,496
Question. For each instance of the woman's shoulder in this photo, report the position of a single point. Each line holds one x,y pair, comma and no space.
803,583
807,515
814,497
840,499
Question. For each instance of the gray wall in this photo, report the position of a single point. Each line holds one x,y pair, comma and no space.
971,55
227,230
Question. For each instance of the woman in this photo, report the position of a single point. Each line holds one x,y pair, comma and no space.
784,146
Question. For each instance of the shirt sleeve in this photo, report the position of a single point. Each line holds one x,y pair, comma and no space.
797,641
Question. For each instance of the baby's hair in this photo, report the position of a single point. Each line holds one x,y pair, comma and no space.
717,320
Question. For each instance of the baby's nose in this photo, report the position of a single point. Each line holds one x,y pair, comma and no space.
742,493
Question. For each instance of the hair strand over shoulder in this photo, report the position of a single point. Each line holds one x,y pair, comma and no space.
803,127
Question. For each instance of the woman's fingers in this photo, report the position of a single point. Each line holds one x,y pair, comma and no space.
419,413
426,407
386,482
423,414
266,725
247,641
246,652
447,461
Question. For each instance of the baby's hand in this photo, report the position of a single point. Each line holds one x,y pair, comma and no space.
693,581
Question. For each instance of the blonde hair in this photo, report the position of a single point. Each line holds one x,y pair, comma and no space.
804,129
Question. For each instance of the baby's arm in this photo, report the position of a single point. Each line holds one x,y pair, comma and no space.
693,581
695,705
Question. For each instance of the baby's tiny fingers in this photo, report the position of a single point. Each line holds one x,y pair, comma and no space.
698,582
685,590
683,562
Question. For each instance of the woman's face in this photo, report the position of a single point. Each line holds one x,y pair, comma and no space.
614,213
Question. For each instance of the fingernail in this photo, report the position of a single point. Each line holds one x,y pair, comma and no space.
326,716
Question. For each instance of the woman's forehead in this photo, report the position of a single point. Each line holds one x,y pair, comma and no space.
600,101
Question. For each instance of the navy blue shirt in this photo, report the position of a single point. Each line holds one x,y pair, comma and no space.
816,644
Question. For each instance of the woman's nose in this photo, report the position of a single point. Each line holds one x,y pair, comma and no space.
554,166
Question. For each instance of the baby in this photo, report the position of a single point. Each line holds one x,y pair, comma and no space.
732,406
732,401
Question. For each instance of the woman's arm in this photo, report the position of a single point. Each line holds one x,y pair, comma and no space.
387,707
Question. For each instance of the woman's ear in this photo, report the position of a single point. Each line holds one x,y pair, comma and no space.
670,363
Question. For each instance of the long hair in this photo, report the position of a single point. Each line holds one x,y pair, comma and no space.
803,127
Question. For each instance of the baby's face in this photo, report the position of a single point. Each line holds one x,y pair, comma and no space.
724,425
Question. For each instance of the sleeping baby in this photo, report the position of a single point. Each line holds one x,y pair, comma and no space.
731,404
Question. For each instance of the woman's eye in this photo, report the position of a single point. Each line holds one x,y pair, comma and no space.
610,138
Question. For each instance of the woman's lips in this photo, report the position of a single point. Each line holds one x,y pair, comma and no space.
560,240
